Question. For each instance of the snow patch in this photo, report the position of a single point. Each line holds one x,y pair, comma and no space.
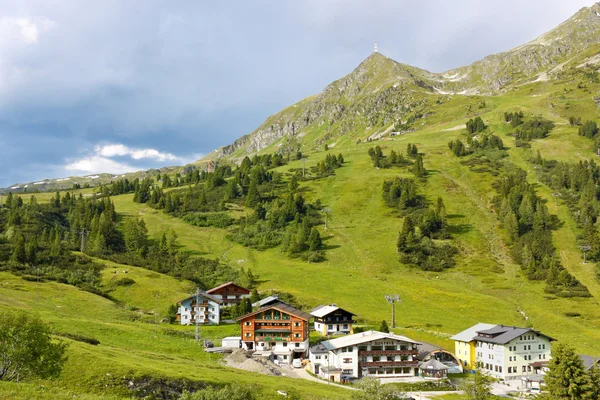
39,183
596,12
62,179
93,176
15,187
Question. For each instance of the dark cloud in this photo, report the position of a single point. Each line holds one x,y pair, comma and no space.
186,77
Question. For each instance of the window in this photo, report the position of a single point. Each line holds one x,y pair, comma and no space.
285,357
296,335
247,323
317,357
297,344
284,344
329,326
543,346
347,360
248,334
297,324
524,368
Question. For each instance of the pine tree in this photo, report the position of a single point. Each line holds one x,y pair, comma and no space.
384,327
18,251
314,240
418,169
566,377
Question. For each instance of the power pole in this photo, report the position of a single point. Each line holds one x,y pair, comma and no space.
326,211
196,316
82,239
393,299
585,249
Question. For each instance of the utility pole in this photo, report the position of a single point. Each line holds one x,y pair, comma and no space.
393,299
585,249
82,239
326,210
196,315
303,167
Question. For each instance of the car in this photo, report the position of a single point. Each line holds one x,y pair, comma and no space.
297,363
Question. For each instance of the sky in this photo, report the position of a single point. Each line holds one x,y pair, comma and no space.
117,86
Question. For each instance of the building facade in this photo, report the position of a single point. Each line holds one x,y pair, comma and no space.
278,331
371,353
508,352
201,307
229,293
331,320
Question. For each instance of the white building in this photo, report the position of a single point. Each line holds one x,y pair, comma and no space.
371,353
332,320
508,352
201,306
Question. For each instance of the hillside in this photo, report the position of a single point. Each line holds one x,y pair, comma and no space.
511,205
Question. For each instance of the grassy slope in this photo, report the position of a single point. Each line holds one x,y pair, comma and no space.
128,347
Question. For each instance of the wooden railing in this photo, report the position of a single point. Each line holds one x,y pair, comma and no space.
389,364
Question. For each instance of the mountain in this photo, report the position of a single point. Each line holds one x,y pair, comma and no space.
381,92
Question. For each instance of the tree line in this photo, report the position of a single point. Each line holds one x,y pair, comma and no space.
525,217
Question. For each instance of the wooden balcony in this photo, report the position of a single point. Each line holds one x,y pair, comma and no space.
388,364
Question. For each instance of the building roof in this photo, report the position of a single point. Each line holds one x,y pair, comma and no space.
225,285
202,294
501,334
468,334
589,361
286,308
322,311
434,365
318,349
268,300
363,337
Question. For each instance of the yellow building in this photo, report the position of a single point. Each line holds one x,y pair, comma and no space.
464,345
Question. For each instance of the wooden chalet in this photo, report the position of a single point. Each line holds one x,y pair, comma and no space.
278,331
229,293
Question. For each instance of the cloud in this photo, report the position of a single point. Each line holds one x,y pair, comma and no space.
101,160
112,150
24,29
97,164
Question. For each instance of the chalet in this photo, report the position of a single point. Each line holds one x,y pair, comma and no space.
505,352
202,307
371,353
267,301
331,320
278,331
229,293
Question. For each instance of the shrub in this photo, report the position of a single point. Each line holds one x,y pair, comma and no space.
27,348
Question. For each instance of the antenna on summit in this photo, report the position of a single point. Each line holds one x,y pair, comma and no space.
375,48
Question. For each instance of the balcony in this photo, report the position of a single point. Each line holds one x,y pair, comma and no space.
387,352
272,339
388,364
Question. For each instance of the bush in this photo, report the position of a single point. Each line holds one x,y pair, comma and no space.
27,348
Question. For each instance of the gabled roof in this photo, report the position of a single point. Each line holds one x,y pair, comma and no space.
225,285
501,334
322,311
267,301
363,337
202,294
468,334
286,308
